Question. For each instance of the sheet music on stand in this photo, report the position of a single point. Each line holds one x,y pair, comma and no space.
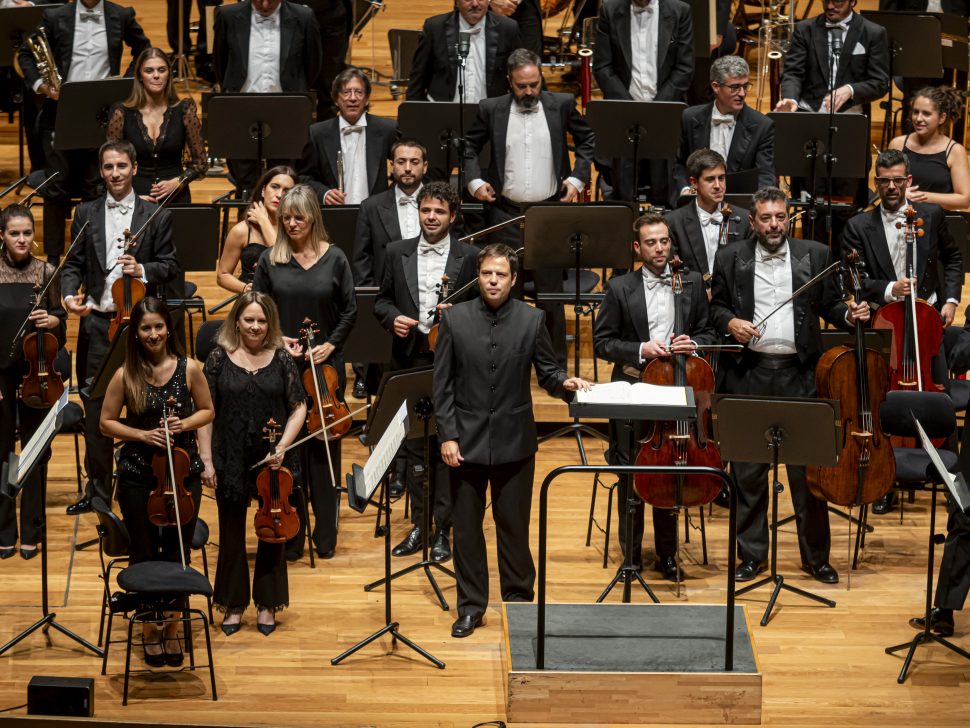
640,401
367,479
954,483
18,467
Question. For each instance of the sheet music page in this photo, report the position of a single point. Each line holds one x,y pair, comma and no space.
949,479
35,446
380,460
639,393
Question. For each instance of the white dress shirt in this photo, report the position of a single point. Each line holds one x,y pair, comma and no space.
432,261
407,212
529,172
772,285
475,89
263,68
644,34
89,54
722,131
117,219
660,305
896,242
353,143
711,227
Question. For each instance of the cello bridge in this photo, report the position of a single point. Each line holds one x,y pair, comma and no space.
907,384
862,434
678,437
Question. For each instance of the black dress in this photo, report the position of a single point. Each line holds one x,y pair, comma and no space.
136,479
248,258
244,401
162,158
930,171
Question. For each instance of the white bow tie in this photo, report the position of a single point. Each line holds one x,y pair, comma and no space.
765,257
266,18
405,200
653,281
90,17
122,207
717,119
710,218
893,216
638,10
352,129
426,248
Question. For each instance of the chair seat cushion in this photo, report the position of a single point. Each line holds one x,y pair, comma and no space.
960,394
201,536
163,578
190,289
72,418
913,464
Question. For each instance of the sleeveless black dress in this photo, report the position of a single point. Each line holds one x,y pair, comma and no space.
930,171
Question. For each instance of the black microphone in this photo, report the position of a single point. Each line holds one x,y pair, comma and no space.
837,43
464,44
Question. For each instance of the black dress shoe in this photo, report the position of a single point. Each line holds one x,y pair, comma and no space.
668,567
360,392
82,506
397,488
266,629
410,545
230,629
824,573
153,660
292,556
885,504
326,554
28,554
749,570
174,658
465,625
723,498
7,552
440,547
941,623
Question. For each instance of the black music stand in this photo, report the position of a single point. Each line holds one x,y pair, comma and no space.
13,473
341,224
397,389
15,25
368,343
258,126
439,126
415,387
793,430
567,235
635,130
113,360
83,109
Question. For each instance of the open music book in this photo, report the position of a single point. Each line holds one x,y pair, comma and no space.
639,393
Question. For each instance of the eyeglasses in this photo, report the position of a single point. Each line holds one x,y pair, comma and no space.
347,93
735,87
886,181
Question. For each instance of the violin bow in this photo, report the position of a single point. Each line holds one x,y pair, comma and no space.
25,200
812,282
171,473
309,437
310,334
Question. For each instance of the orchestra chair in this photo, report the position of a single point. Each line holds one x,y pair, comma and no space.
73,414
200,539
205,340
146,590
195,234
113,544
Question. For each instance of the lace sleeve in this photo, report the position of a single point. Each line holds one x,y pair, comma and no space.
295,393
193,137
212,370
116,124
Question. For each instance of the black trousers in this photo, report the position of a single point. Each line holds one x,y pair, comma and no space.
12,410
323,496
664,519
511,492
146,541
953,580
92,346
172,25
811,514
231,591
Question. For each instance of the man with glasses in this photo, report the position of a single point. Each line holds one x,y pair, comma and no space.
727,125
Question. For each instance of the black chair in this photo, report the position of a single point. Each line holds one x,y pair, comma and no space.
205,340
200,539
112,543
195,231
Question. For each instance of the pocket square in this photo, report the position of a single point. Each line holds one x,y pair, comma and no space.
859,49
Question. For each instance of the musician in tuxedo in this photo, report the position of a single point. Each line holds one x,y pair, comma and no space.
751,278
97,261
86,39
522,171
363,141
264,46
742,135
434,70
410,291
487,349
702,227
639,318
644,52
528,14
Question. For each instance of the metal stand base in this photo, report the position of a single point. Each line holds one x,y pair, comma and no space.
390,628
921,638
425,564
45,623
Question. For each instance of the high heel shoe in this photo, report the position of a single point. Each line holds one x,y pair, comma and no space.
266,629
173,659
7,552
230,629
153,660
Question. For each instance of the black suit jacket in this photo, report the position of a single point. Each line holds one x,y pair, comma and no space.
612,55
121,29
806,72
318,165
154,250
301,56
377,225
688,239
752,146
732,294
492,125
399,291
483,393
528,15
934,249
957,7
623,322
434,70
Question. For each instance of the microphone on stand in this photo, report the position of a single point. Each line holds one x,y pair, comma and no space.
464,45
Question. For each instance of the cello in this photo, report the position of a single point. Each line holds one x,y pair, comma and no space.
170,503
42,384
276,520
680,442
859,378
321,383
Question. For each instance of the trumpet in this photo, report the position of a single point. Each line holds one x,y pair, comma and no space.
774,41
40,49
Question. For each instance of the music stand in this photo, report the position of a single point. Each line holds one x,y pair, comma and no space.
793,430
258,126
438,125
341,224
567,235
392,415
13,474
113,360
83,109
368,343
635,130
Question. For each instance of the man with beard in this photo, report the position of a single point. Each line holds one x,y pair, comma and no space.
752,278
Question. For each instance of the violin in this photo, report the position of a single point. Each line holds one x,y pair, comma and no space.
321,382
125,292
680,442
276,521
443,293
917,330
42,384
859,378
170,503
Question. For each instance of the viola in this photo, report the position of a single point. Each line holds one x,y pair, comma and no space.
170,503
443,293
276,520
125,292
859,378
42,384
917,330
321,383
680,442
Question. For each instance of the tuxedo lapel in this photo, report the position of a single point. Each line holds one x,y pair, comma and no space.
801,272
636,301
97,232
876,239
695,237
623,31
113,33
664,31
744,280
374,148
453,265
491,46
821,43
451,49
243,25
501,126
288,28
852,36
410,262
69,20
387,211
702,128
551,110
741,139
331,144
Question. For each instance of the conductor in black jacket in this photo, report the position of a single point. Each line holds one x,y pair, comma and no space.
98,260
434,70
751,278
486,351
639,317
410,289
